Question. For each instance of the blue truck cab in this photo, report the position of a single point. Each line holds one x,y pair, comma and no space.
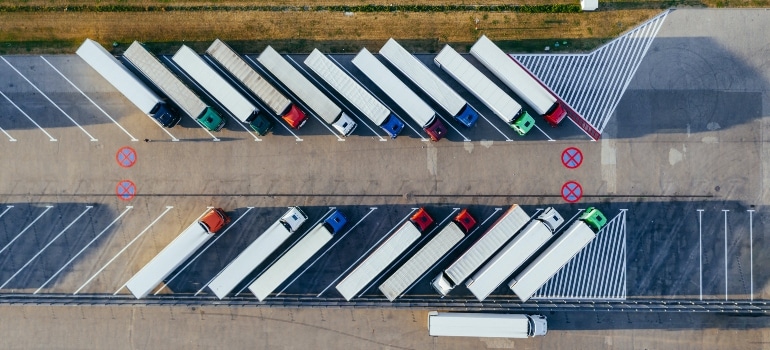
392,126
165,115
467,116
335,222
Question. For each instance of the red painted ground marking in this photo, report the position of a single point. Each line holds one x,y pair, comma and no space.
571,191
126,190
126,157
571,157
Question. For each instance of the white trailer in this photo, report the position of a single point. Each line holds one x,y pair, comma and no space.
402,95
518,79
422,261
121,78
300,253
306,91
499,233
379,260
514,254
428,82
484,89
257,252
558,254
442,324
146,63
176,252
215,84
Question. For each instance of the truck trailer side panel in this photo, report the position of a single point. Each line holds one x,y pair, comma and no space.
173,255
290,262
548,263
483,325
378,261
421,261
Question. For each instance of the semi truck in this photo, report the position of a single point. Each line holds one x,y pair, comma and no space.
274,99
503,105
354,93
428,82
518,79
384,255
129,85
257,252
457,324
392,86
297,255
524,245
295,82
421,261
240,107
168,83
558,254
500,232
177,252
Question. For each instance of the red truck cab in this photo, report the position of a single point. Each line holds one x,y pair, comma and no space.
465,220
421,219
295,117
214,220
555,115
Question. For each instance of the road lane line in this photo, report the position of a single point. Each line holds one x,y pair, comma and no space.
84,248
47,208
88,207
90,100
50,138
122,250
49,100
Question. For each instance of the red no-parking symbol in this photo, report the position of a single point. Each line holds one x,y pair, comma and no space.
571,191
126,190
126,157
571,157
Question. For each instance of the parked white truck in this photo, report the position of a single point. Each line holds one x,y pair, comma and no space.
130,86
361,99
500,232
384,255
524,245
456,324
421,261
256,83
428,82
503,105
558,254
402,95
149,65
177,252
300,253
295,82
257,252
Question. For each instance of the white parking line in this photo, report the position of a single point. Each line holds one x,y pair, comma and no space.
47,208
7,208
751,253
546,135
367,252
50,138
327,250
88,207
10,138
122,250
331,95
49,100
296,100
700,249
203,250
490,123
129,207
725,211
90,100
214,138
284,252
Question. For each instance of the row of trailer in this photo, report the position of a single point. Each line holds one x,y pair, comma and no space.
530,250
235,82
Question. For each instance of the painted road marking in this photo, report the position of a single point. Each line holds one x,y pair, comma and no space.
571,191
214,138
327,250
83,249
7,208
126,190
90,100
700,249
10,138
49,100
367,252
571,157
751,252
725,211
126,157
541,130
47,208
88,207
50,138
203,250
122,250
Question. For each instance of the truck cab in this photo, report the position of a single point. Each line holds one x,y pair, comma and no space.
214,220
467,116
523,123
293,219
465,221
555,115
211,120
392,126
594,218
421,219
344,124
165,115
436,130
538,325
262,125
442,284
551,218
335,222
295,117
